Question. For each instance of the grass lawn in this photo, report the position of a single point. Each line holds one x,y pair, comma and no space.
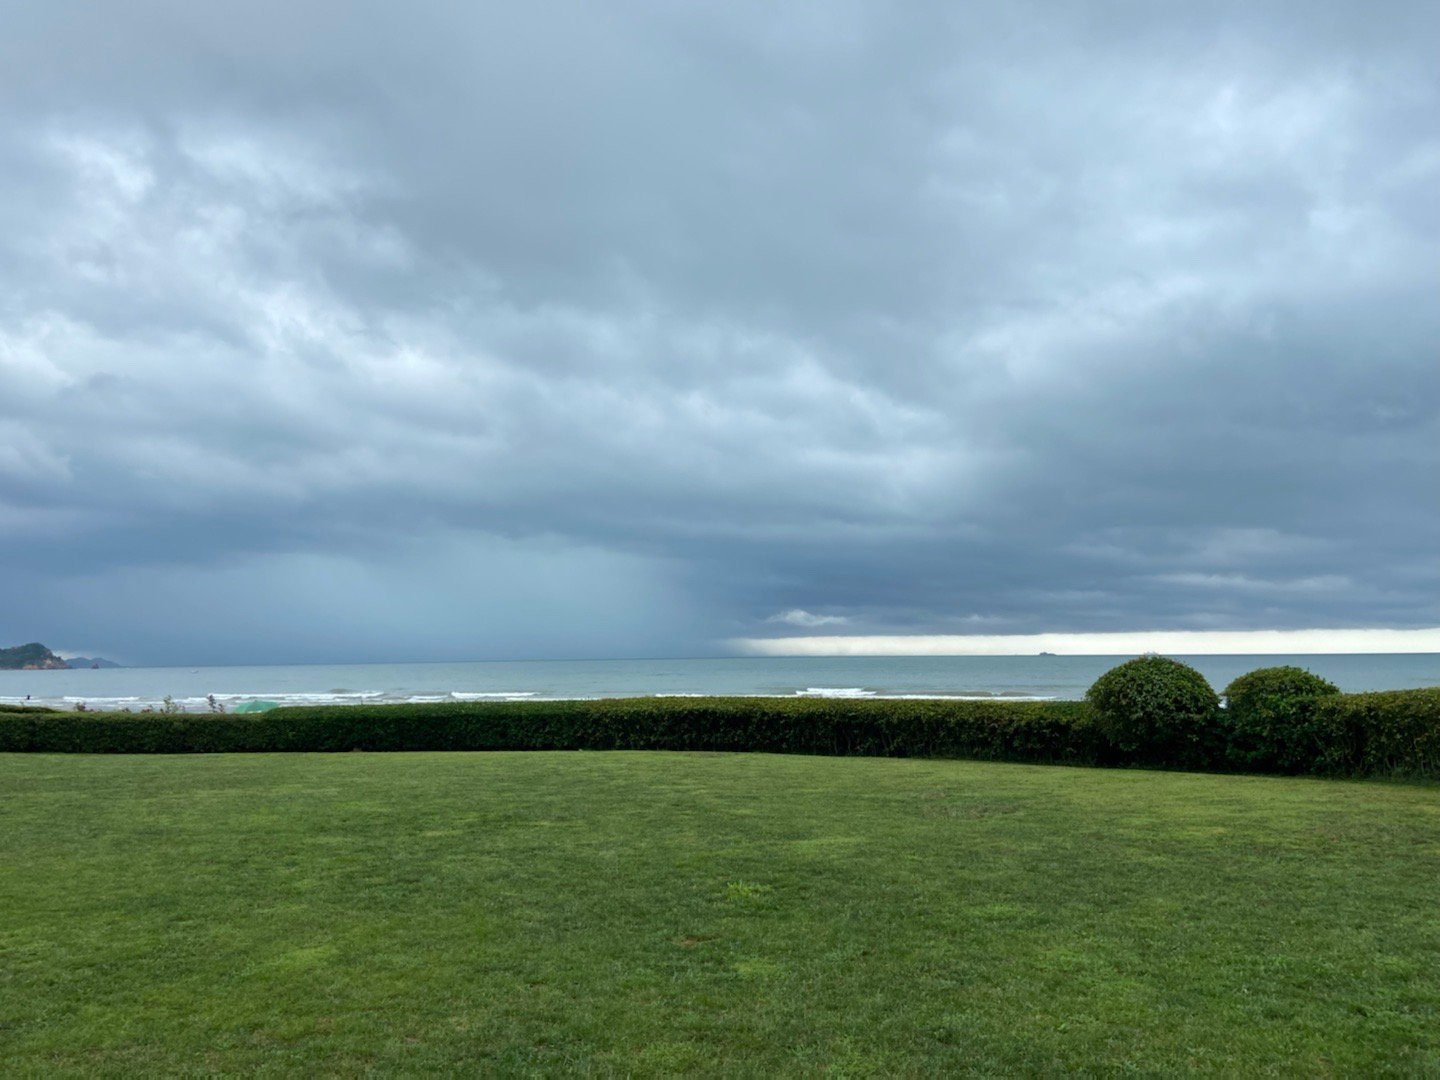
742,914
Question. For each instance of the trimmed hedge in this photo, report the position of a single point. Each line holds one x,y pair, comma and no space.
1387,733
1390,733
1160,711
1270,718
1050,731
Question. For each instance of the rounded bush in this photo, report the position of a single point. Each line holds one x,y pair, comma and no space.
1269,718
1159,710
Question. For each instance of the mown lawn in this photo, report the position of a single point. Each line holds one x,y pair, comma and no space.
738,914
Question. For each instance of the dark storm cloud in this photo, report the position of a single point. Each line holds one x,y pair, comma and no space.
363,330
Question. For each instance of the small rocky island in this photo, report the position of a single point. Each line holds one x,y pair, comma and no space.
36,657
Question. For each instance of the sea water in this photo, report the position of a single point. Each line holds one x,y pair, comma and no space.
1002,677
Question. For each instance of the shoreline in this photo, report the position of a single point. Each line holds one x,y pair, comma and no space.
1038,678
228,702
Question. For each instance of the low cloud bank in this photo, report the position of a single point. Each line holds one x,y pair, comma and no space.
1183,642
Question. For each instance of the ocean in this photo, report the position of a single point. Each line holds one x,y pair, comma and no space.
1005,677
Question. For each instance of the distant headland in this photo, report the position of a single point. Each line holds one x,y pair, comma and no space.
36,657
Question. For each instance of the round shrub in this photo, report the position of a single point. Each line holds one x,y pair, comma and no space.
1158,710
1269,717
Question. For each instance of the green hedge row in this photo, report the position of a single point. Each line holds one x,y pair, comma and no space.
1392,733
1396,732
1001,731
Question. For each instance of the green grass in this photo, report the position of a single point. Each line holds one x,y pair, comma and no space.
738,914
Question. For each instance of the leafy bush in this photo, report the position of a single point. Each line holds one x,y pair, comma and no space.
1050,731
1269,718
1158,710
1389,733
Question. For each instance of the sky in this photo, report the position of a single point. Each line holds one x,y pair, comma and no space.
374,331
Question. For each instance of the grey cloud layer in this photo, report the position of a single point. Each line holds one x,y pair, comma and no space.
456,328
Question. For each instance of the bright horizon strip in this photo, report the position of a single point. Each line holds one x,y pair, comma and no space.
1129,643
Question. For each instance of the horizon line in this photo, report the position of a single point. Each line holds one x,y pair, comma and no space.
1316,642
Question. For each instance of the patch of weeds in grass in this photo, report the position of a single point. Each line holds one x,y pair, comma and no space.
944,804
748,892
691,941
757,967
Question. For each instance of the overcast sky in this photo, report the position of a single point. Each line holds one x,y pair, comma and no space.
435,331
